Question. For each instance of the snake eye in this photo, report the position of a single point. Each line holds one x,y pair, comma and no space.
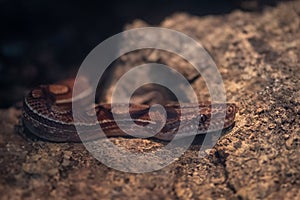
230,109
203,118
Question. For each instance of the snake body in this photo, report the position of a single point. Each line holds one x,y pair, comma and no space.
47,113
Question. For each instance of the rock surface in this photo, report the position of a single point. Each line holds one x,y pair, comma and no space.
258,56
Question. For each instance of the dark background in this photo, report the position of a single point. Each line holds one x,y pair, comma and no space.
45,41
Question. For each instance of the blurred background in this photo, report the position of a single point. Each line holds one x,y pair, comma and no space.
46,41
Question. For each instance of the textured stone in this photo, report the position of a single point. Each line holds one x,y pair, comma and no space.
258,56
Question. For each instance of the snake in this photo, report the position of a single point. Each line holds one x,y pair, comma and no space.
47,113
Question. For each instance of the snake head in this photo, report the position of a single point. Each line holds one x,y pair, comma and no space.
217,116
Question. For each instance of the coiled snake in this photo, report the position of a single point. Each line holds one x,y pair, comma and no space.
47,113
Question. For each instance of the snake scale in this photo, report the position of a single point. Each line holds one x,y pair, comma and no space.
47,113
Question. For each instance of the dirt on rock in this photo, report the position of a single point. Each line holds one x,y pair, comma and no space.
258,56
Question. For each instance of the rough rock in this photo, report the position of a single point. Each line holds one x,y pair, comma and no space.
258,55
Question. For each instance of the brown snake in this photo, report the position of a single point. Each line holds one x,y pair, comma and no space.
47,113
